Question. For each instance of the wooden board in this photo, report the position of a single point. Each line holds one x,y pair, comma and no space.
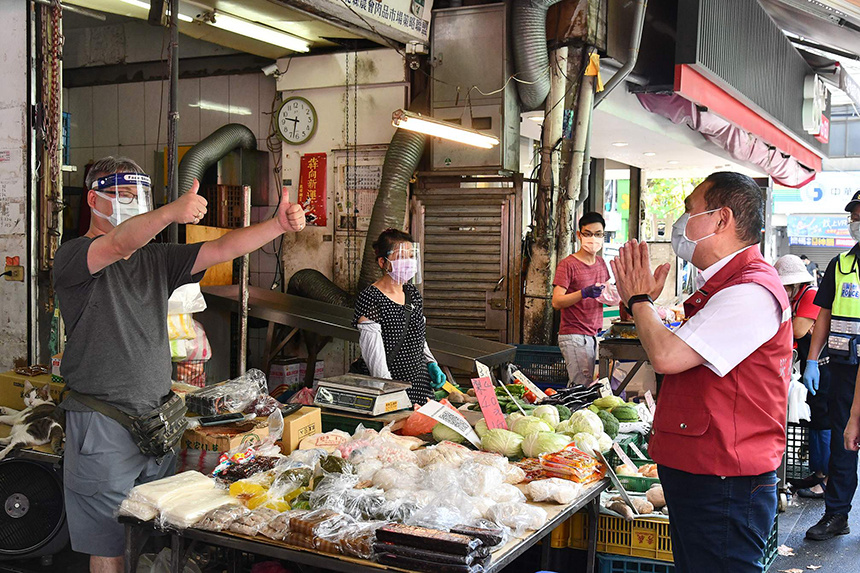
219,275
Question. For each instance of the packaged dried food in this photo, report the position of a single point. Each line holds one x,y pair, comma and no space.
228,396
507,492
489,533
446,510
424,554
162,491
299,540
238,471
532,469
253,522
186,511
138,510
262,406
515,474
573,464
424,538
446,452
358,541
479,479
221,518
329,441
333,464
279,528
554,489
304,524
519,517
422,565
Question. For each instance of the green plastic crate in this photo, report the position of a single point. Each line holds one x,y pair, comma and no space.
624,440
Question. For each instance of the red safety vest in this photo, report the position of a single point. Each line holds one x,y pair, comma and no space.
734,425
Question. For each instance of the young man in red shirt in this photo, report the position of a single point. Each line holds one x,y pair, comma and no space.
579,280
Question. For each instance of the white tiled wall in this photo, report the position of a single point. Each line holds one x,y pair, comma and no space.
131,119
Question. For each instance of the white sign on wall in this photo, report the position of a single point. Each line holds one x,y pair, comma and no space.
410,17
829,192
814,103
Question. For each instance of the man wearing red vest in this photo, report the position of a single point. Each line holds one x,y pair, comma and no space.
719,429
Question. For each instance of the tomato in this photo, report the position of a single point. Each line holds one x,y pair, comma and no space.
550,392
530,397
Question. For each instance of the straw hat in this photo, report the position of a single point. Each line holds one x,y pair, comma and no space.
792,271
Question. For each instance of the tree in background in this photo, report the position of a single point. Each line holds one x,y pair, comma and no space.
664,198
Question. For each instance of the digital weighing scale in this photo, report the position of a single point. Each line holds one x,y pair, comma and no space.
362,394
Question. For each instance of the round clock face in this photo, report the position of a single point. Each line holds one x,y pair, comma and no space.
297,120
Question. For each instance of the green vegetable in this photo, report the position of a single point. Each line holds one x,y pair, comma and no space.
515,390
594,408
300,476
610,423
608,402
548,414
502,442
586,442
442,433
563,412
626,413
440,394
481,428
539,443
512,418
331,464
604,442
529,425
582,421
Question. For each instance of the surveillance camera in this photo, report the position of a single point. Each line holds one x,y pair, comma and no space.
270,69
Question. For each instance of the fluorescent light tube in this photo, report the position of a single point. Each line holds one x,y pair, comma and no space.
429,126
145,6
259,32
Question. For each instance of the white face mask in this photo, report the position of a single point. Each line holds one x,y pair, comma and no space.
683,246
121,212
854,229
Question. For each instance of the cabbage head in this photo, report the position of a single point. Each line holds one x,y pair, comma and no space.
512,418
604,442
548,414
502,442
582,421
587,443
481,428
539,443
531,424
442,433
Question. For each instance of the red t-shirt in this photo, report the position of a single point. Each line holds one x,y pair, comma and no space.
585,317
805,306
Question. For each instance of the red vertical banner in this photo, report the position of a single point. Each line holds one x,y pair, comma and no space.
312,188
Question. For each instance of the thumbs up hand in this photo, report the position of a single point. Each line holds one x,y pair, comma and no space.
291,216
190,207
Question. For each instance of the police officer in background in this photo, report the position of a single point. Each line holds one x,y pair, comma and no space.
838,328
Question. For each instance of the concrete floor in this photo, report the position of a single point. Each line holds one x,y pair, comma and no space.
838,555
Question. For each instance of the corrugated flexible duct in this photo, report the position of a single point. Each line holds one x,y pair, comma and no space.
530,51
222,141
389,211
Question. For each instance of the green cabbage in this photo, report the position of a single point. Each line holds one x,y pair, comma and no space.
481,428
502,442
442,433
604,442
586,442
548,414
582,421
512,418
531,424
539,443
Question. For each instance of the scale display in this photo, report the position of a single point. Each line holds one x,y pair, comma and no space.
362,394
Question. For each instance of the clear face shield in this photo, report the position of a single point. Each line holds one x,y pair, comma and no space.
130,194
404,263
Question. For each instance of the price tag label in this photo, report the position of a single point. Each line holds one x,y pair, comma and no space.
451,418
520,377
483,370
605,387
637,451
625,459
649,400
489,403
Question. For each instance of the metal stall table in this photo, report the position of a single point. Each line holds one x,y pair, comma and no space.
615,349
184,541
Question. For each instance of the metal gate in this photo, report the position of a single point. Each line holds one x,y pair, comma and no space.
470,229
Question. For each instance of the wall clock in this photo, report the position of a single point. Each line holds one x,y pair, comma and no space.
297,120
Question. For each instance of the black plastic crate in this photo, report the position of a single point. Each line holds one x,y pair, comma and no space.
543,365
796,452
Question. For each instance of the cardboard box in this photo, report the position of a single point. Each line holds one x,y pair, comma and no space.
299,425
222,439
291,373
12,388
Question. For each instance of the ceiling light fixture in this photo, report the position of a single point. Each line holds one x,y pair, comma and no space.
673,162
427,125
649,154
210,106
620,144
258,32
145,6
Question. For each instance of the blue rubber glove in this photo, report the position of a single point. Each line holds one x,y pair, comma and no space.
437,377
592,291
811,376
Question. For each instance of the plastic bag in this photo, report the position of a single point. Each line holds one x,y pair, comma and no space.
186,299
244,461
304,396
158,493
309,458
518,516
251,523
446,510
329,441
366,470
506,493
609,296
184,512
161,563
480,480
441,477
399,476
515,475
445,452
178,350
279,527
490,534
198,349
554,489
352,537
221,518
180,327
228,396
262,406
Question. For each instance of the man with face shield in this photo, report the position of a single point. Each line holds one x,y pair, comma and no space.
579,280
719,430
113,285
390,320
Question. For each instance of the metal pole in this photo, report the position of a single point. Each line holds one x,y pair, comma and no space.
244,293
75,9
173,118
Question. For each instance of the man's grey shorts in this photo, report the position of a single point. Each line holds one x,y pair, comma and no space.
101,464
